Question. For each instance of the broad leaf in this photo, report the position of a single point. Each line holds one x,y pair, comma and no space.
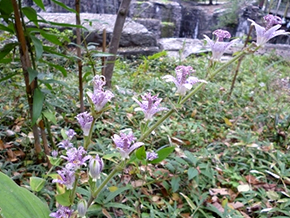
38,99
51,37
9,28
36,183
40,4
63,199
38,47
162,154
64,6
50,116
32,74
31,14
6,49
140,153
16,201
56,66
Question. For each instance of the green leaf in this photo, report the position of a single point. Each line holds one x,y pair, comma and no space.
38,99
140,153
16,201
9,76
64,6
36,183
54,161
189,201
50,116
31,14
192,172
175,183
120,206
6,49
9,28
32,74
55,54
112,195
63,199
38,47
162,154
191,157
58,67
40,4
51,37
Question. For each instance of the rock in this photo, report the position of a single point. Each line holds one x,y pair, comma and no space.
134,34
182,47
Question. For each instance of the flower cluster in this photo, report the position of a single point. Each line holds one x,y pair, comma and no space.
62,212
151,155
99,97
264,34
149,105
218,47
183,81
125,142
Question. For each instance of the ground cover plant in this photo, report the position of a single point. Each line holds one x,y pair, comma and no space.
213,156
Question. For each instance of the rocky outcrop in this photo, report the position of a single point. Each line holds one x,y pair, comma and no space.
134,34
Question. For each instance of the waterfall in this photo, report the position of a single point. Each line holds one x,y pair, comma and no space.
195,33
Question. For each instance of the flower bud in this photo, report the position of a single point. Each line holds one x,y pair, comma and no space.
82,208
96,166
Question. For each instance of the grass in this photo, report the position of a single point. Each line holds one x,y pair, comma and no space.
231,157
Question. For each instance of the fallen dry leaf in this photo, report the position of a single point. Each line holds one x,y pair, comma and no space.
252,180
218,206
236,205
221,191
2,147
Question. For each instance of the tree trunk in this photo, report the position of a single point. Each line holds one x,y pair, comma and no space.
115,40
26,63
80,66
210,2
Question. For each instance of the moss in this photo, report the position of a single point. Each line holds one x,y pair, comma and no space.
167,29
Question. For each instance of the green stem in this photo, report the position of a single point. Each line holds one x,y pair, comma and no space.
72,194
109,177
88,138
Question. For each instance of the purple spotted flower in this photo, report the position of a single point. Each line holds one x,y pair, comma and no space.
151,155
96,166
62,212
264,34
125,142
76,158
183,81
85,120
66,144
54,153
149,105
218,47
99,97
70,133
67,178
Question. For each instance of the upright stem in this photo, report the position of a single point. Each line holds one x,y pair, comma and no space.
26,63
80,66
239,63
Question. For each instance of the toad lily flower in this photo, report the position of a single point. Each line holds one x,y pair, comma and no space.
96,166
124,142
149,105
62,212
99,97
85,120
264,34
183,81
67,178
219,47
